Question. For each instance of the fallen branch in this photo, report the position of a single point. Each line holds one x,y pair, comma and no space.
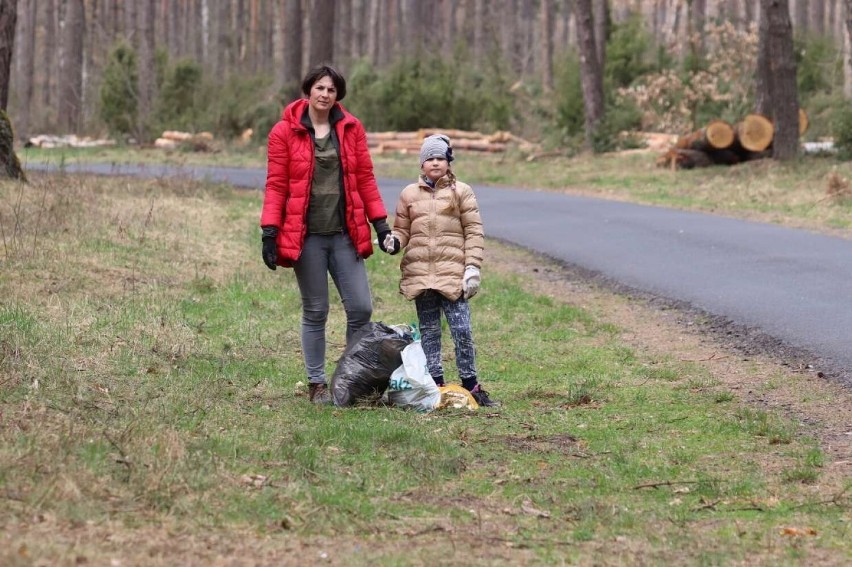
664,483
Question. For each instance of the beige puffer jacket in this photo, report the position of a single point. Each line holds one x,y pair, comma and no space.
440,231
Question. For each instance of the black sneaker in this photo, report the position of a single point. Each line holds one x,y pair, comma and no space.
319,394
481,397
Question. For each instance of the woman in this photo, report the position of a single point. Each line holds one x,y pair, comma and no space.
320,195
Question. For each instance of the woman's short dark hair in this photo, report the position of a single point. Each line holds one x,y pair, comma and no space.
318,73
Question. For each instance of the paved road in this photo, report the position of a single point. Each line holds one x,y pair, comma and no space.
791,285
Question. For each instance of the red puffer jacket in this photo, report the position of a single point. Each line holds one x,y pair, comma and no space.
289,173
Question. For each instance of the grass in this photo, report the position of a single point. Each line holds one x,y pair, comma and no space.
152,411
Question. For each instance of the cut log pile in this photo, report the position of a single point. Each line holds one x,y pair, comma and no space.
48,141
721,143
171,139
410,142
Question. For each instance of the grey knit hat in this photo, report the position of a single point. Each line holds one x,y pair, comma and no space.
436,146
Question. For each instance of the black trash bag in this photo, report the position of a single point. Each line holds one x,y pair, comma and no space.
363,372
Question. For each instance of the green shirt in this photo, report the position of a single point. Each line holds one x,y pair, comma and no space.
324,208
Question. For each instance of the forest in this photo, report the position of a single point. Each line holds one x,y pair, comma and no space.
130,70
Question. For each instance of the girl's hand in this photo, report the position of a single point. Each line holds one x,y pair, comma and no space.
390,244
471,282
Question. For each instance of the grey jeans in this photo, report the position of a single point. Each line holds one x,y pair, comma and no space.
322,255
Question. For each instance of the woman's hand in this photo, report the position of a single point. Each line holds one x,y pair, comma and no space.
270,247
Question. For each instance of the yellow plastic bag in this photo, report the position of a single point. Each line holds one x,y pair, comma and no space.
456,397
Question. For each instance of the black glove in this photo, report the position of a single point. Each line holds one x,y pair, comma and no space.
382,231
270,247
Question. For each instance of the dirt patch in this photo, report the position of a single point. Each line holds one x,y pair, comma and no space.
756,368
565,444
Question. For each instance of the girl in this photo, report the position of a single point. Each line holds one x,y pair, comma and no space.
438,224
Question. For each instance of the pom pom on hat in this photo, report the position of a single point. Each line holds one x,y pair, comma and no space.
436,146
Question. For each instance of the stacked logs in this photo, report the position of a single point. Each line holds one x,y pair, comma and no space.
720,143
409,142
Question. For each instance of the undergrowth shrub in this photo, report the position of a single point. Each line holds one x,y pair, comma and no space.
119,102
629,53
570,111
819,66
181,101
842,131
242,103
432,91
621,114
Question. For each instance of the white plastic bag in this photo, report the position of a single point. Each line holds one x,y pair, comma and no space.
411,385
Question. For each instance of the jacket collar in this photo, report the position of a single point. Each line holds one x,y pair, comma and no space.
337,114
444,181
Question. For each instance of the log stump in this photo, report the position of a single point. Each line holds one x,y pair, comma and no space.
755,132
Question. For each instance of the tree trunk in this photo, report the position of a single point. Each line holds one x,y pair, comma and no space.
373,31
817,17
48,95
10,166
600,17
847,83
763,73
800,15
71,87
591,70
147,73
293,43
26,76
228,53
478,30
359,21
343,54
8,20
697,18
783,92
547,44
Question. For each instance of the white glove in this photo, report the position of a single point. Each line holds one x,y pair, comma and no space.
390,244
470,281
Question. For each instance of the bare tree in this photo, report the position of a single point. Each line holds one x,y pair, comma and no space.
591,69
776,42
